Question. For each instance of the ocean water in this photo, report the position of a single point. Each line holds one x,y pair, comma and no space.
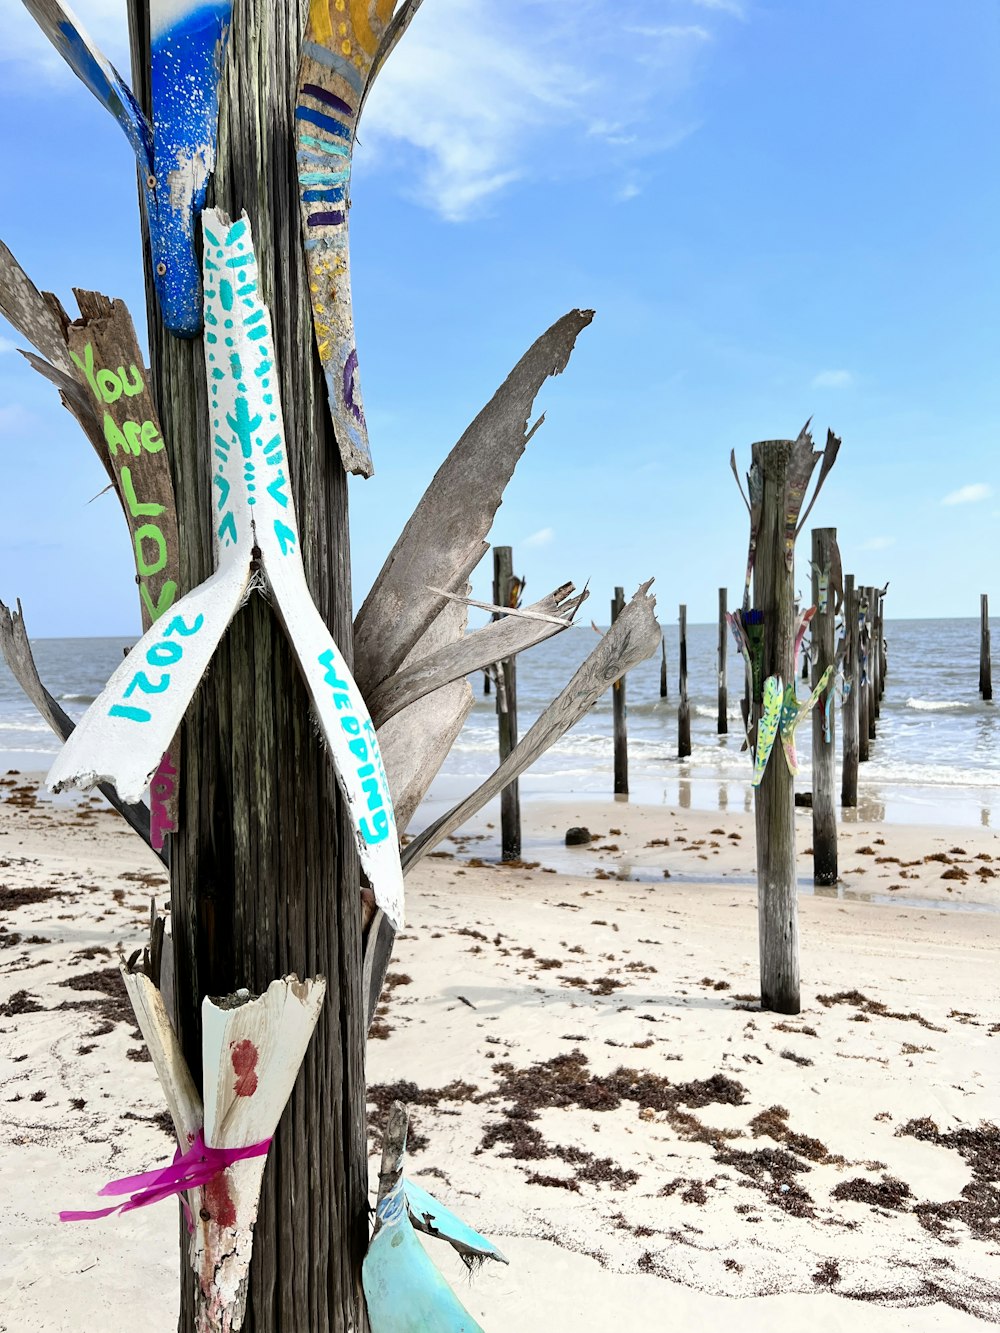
936,758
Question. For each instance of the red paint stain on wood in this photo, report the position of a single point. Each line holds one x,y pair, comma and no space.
218,1201
244,1058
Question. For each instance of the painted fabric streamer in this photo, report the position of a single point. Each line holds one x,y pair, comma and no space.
176,153
191,1170
341,41
128,728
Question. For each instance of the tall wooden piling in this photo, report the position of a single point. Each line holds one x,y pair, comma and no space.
985,664
620,714
663,666
510,797
871,597
723,718
684,707
883,660
824,775
862,674
849,770
774,597
876,656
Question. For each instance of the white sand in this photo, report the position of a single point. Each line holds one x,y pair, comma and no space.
692,1237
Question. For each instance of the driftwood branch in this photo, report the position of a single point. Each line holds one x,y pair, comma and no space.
415,742
525,612
16,650
444,539
32,314
511,634
634,636
833,443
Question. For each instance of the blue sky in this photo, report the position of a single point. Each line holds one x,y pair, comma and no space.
777,210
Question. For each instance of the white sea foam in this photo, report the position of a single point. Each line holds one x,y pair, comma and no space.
938,705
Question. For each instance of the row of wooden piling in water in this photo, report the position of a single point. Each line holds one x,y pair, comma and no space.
863,660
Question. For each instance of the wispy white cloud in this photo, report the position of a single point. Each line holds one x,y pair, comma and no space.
877,544
480,91
724,6
673,31
540,538
833,379
977,490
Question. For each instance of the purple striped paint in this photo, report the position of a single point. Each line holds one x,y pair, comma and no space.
332,219
331,99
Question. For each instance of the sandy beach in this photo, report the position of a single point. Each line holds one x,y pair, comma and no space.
591,1080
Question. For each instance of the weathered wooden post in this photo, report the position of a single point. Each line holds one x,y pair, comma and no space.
774,807
505,594
663,667
883,650
824,813
849,773
684,707
264,866
871,658
619,711
985,663
723,718
864,675
778,479
876,652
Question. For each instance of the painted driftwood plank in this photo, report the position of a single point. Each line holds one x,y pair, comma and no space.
794,713
401,20
444,539
511,634
256,544
130,726
767,727
183,1101
431,1217
106,354
632,638
187,40
252,1050
176,154
341,41
404,1291
256,502
17,654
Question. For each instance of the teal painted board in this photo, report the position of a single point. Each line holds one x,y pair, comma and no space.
404,1291
429,1216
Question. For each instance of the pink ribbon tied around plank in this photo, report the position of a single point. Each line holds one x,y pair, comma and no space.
200,1164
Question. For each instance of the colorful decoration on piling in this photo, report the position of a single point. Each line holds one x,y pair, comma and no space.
252,1050
793,713
256,546
404,1291
104,349
341,42
767,726
176,153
